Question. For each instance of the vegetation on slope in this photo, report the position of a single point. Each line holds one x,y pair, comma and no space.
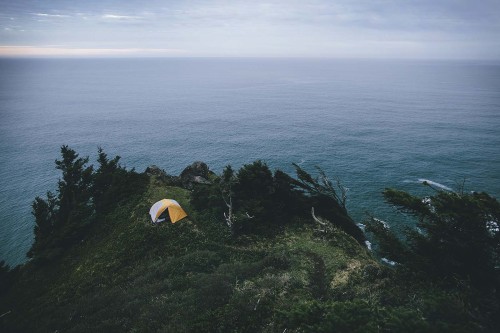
267,267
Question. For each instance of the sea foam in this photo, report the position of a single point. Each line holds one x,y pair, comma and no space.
389,262
444,187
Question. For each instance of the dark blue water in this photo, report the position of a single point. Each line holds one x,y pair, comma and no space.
374,124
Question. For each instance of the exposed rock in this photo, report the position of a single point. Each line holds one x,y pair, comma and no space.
196,173
161,175
154,170
200,180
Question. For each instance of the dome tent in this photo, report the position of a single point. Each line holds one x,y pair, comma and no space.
166,208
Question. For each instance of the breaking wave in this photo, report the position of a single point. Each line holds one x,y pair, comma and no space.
441,186
389,262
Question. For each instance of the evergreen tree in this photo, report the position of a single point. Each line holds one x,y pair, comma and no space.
74,187
45,213
62,218
82,195
457,240
113,183
6,277
104,178
328,199
75,210
253,190
286,200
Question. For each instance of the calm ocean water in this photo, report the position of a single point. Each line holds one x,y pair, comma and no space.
374,124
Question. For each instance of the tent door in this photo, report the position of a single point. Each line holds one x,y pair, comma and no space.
164,217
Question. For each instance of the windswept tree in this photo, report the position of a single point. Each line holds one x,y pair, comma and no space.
254,200
328,199
457,239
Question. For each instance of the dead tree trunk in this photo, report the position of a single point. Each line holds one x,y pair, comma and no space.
229,217
325,226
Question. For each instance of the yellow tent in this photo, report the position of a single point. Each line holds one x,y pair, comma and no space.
175,211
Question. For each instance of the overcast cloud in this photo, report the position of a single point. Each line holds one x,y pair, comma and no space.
456,29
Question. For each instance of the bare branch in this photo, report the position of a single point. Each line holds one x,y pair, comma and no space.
343,192
6,313
255,307
325,225
228,204
229,217
315,218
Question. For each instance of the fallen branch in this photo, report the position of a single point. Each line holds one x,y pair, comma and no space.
255,307
6,313
325,225
316,219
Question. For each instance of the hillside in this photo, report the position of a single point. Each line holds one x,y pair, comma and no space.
125,274
131,275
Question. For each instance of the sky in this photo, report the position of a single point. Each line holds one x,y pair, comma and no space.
415,29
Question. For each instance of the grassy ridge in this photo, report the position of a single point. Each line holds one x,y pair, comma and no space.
194,276
131,275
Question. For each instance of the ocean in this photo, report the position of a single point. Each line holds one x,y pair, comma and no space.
371,123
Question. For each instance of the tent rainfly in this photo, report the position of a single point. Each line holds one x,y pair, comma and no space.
167,206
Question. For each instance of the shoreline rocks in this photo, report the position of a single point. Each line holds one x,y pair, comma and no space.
196,173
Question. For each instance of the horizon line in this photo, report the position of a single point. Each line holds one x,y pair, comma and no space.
60,52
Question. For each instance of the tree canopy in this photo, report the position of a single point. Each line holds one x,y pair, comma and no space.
82,193
456,239
259,201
